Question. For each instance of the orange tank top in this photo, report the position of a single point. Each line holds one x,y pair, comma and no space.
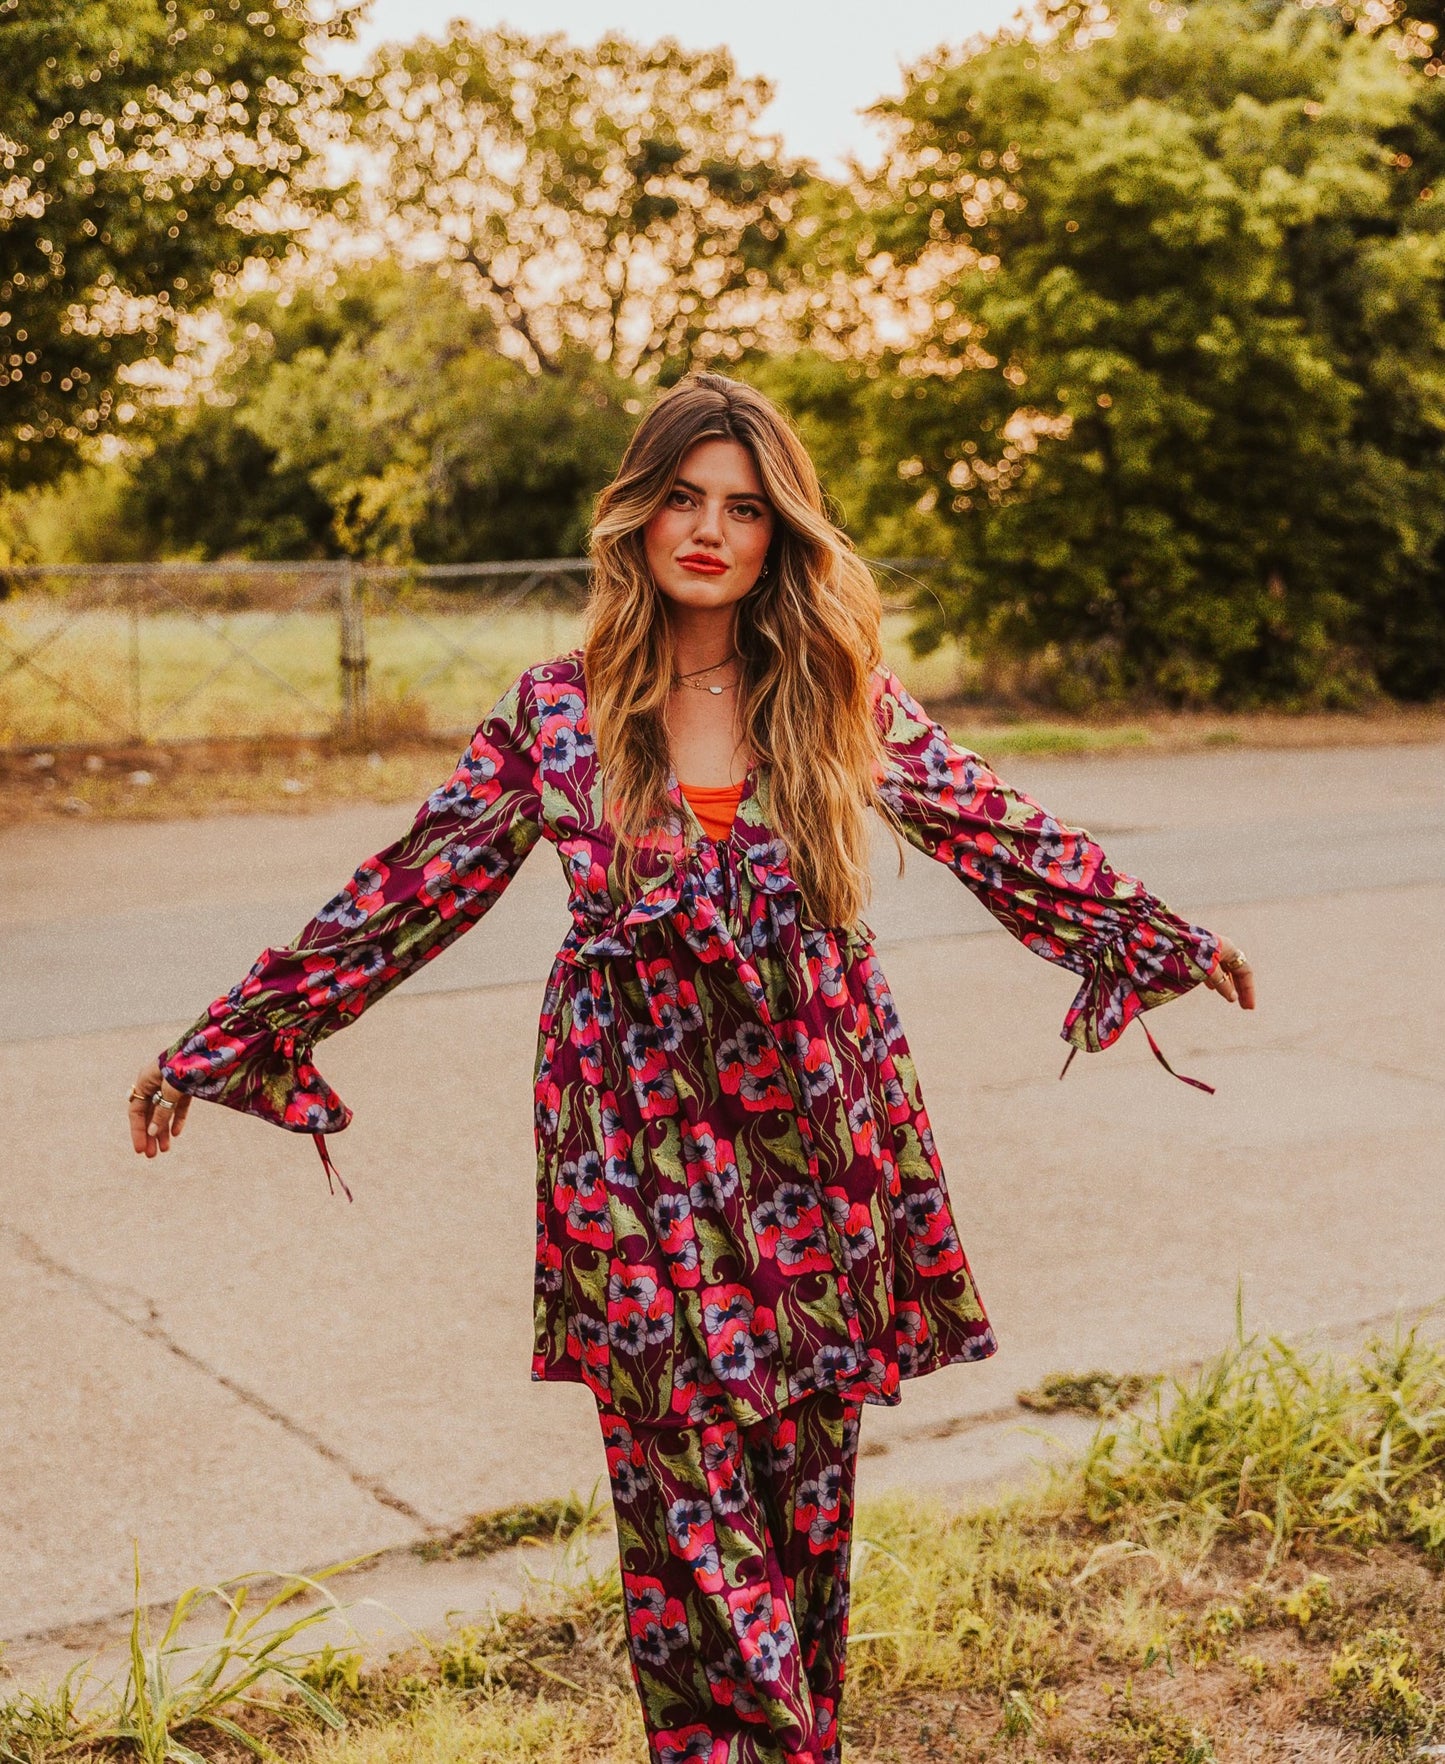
715,805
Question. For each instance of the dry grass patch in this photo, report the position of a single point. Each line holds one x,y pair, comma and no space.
1249,1568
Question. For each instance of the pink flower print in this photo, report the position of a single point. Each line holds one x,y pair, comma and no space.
1052,949
738,1333
777,1451
714,1185
687,1376
319,987
805,1254
563,700
818,1505
970,781
722,1465
650,1073
658,1624
473,785
728,1682
313,1109
854,1223
460,876
749,1069
690,1745
811,1058
625,1467
895,1097
548,1264
208,1051
592,1341
672,1220
565,737
672,1003
639,1313
367,965
978,857
547,1103
825,964
791,1210
691,1534
881,999
359,899
764,1635
863,1126
943,1256
1068,859
581,1196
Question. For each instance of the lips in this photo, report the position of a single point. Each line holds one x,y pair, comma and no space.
703,565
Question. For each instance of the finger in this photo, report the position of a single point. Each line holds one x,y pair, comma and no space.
1245,978
162,1108
178,1118
147,1082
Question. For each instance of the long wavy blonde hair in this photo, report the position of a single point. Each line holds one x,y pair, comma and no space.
808,637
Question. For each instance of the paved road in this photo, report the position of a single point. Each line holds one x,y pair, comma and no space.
211,1355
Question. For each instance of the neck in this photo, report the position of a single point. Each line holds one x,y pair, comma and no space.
702,636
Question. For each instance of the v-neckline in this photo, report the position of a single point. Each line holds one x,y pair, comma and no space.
675,792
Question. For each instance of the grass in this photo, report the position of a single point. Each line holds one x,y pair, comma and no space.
233,735
1250,1566
1086,1393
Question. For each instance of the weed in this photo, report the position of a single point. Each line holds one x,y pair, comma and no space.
1087,1393
484,1534
1151,1734
1375,1688
1266,1440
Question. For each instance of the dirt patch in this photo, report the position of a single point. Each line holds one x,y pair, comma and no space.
292,776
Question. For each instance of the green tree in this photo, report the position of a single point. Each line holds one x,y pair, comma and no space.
617,199
1177,397
374,416
147,146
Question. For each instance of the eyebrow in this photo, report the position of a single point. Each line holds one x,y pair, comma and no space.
733,495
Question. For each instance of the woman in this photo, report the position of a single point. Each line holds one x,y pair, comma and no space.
743,1232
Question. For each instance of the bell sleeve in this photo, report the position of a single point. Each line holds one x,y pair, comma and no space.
1048,884
251,1049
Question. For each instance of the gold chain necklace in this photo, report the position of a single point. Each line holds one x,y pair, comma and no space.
688,679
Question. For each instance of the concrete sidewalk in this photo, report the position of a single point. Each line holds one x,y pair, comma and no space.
211,1355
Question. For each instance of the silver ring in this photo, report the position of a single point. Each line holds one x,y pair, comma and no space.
161,1102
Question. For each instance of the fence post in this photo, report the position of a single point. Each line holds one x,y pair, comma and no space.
137,734
354,717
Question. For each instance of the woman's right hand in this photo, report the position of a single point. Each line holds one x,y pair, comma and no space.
152,1122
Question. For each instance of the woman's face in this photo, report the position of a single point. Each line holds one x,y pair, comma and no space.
707,543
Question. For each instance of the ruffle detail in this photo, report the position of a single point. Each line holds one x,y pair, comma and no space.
259,1070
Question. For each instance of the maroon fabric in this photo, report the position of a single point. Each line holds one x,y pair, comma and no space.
735,1544
739,1198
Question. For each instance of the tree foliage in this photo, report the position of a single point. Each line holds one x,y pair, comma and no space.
617,199
373,416
147,146
1178,410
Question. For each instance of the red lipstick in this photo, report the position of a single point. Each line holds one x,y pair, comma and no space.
703,563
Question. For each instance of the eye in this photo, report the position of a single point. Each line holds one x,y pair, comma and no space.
750,509
678,497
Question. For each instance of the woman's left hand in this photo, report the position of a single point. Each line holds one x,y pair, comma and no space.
1233,977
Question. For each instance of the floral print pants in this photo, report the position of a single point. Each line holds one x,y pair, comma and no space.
734,1543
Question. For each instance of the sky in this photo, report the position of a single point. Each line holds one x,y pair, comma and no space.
827,59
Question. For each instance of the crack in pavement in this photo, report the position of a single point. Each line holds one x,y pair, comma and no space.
151,1327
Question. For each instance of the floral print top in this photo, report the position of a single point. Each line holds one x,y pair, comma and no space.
739,1198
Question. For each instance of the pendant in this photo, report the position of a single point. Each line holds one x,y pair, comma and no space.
714,690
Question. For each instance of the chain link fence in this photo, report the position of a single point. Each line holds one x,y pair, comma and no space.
165,654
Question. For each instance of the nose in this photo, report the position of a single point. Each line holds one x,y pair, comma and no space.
707,525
